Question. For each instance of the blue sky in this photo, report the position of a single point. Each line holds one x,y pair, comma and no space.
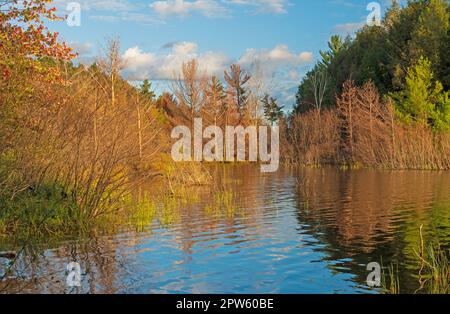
282,36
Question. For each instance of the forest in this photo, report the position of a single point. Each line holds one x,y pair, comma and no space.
379,99
76,139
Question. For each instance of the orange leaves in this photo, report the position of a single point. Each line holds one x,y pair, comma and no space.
6,73
25,32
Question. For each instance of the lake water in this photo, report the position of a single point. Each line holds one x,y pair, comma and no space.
294,231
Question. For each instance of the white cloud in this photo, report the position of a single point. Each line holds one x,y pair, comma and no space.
82,49
141,65
216,8
280,66
208,8
264,6
275,58
348,28
85,52
163,66
99,5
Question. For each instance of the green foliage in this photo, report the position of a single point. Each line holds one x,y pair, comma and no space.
423,99
435,269
272,111
336,45
390,282
384,54
44,210
306,96
146,90
430,33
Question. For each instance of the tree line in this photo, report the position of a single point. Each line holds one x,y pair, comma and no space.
380,98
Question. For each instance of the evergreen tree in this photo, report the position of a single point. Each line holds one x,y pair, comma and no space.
306,97
430,34
146,90
236,79
272,111
335,46
384,54
424,99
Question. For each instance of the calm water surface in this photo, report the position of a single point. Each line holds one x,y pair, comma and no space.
295,231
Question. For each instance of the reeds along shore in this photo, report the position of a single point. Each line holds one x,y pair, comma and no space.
433,270
363,131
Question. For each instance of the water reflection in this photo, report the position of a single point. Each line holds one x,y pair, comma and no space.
295,231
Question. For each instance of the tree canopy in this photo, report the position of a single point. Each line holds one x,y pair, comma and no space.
405,57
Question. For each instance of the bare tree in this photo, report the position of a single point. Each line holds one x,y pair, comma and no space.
319,85
346,103
189,88
259,86
112,63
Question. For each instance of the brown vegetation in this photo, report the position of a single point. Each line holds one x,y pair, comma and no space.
363,130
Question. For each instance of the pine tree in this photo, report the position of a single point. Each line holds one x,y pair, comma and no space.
424,99
236,80
272,111
335,46
428,38
146,90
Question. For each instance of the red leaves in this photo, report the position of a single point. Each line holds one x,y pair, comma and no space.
33,38
6,73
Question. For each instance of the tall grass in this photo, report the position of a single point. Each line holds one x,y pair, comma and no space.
433,274
390,282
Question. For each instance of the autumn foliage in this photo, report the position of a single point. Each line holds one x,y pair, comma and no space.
23,34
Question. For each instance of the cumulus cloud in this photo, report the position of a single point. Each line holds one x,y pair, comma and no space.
276,58
208,8
216,8
164,66
82,49
85,52
281,68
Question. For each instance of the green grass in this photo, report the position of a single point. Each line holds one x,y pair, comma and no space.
38,212
390,282
433,274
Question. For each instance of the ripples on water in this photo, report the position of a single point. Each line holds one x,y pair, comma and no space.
296,231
